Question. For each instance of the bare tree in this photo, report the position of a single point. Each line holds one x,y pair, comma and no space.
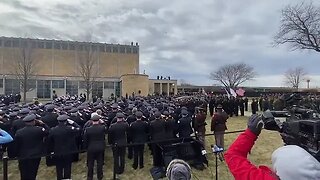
293,77
88,66
300,27
232,75
24,65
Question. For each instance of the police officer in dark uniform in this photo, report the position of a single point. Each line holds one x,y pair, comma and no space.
246,101
94,142
241,106
62,141
184,125
157,132
30,146
50,117
139,133
19,123
130,119
118,136
112,115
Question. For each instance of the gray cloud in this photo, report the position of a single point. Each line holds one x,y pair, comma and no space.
184,39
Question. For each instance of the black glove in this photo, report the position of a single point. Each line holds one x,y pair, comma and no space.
255,124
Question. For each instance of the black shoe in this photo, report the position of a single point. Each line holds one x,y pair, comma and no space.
141,167
134,167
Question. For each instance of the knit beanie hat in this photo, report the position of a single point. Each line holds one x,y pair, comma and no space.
178,170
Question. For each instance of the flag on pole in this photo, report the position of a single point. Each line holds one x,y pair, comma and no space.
233,93
227,93
240,92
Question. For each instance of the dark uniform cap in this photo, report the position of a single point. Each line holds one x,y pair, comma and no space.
29,118
2,112
184,108
219,106
130,106
16,109
114,106
139,114
73,110
157,114
120,115
63,117
24,111
81,107
14,114
67,108
184,112
166,113
49,107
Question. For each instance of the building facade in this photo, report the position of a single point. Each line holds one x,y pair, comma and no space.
56,66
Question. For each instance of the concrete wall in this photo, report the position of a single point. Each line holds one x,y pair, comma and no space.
133,83
162,86
65,63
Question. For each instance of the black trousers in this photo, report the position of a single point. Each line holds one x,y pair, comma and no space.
63,166
211,111
95,156
157,155
119,159
138,156
130,152
242,111
29,168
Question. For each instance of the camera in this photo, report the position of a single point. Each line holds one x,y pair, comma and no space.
297,125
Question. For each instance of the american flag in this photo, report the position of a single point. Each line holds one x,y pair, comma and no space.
240,92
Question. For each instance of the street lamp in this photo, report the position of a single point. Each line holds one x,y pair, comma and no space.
308,83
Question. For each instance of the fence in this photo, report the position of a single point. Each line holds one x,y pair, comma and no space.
9,164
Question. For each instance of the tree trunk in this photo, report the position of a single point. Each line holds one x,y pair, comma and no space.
88,94
25,91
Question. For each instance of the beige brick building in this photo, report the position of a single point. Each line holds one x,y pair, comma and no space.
56,67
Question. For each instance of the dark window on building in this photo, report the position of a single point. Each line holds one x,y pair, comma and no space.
97,89
34,44
94,47
58,84
31,84
64,45
25,43
102,48
72,46
57,45
118,88
122,49
41,45
115,49
7,43
15,43
128,49
12,86
108,85
79,47
82,85
135,50
43,89
72,88
1,83
49,45
108,48
87,47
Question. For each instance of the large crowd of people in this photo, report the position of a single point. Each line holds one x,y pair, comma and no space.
60,129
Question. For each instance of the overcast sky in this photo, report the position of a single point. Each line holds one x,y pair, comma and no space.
184,39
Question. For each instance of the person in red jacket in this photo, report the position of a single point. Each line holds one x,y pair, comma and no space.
289,162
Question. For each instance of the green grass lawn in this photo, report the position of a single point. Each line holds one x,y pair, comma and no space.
261,154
